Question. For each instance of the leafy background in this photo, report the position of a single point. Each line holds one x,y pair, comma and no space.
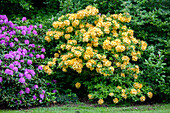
150,21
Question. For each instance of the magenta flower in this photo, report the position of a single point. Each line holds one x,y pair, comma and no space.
3,28
31,27
40,26
19,49
17,57
7,38
2,41
1,21
16,39
54,91
36,86
28,76
29,32
21,75
35,26
55,81
15,69
29,62
37,56
22,61
40,68
21,92
31,55
11,66
9,72
33,51
42,56
43,50
26,41
16,63
24,19
32,45
34,32
23,32
32,72
11,44
34,97
22,80
0,61
27,90
42,96
1,79
43,91
6,21
7,56
40,101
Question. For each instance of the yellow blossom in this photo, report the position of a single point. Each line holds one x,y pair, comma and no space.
133,91
77,85
119,87
134,58
122,74
67,36
115,100
124,95
111,94
150,94
100,101
69,29
56,55
90,96
135,76
47,38
142,98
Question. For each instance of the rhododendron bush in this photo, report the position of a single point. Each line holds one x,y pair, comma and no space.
20,64
102,47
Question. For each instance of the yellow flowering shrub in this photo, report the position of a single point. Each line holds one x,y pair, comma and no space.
88,41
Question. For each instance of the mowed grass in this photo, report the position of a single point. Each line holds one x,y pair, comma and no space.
83,108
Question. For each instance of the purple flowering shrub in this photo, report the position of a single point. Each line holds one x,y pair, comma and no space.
21,57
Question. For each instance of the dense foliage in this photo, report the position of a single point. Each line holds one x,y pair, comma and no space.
150,22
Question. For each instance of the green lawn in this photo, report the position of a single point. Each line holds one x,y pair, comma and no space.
83,108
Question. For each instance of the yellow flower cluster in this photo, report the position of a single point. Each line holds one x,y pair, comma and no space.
142,98
119,39
47,68
111,94
90,96
77,85
105,45
115,100
150,94
100,101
